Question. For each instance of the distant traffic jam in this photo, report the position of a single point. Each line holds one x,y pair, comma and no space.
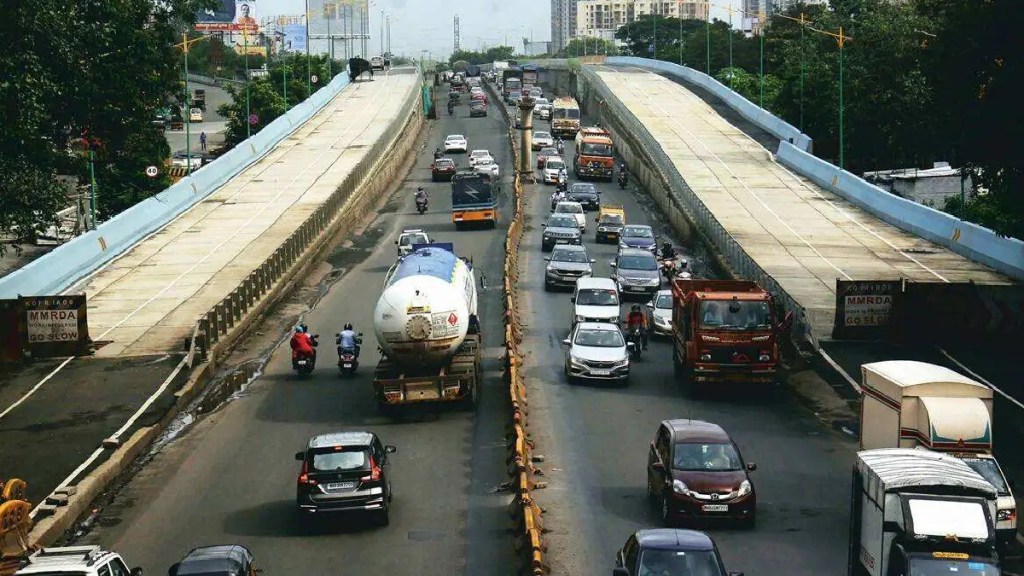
927,498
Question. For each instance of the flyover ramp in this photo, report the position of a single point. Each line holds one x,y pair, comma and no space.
803,236
148,300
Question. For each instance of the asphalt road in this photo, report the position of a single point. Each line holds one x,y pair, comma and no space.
595,439
231,478
213,124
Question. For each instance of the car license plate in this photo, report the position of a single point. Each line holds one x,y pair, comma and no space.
347,364
302,362
634,288
341,486
715,508
601,372
561,241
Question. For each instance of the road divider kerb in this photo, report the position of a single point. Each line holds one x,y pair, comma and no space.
221,328
525,513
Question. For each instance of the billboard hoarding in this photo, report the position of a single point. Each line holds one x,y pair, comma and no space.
294,38
229,16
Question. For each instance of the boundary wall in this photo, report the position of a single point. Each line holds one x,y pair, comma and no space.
76,259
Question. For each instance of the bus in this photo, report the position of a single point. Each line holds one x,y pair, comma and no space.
565,116
473,199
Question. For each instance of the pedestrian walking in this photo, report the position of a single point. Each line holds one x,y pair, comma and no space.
202,141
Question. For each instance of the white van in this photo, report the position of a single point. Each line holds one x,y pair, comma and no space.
595,300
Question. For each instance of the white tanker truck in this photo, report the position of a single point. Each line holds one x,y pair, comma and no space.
427,330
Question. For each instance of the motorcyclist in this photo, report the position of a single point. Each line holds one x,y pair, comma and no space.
667,251
301,344
437,151
451,107
563,176
421,197
623,173
557,196
348,340
560,146
636,318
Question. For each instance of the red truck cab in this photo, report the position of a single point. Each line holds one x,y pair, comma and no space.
725,331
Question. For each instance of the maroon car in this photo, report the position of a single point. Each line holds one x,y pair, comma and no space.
544,155
443,169
695,471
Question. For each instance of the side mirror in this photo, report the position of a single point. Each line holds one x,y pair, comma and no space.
396,242
300,456
651,304
735,573
567,342
620,572
390,449
613,264
359,334
751,466
572,299
593,261
137,571
598,220
547,258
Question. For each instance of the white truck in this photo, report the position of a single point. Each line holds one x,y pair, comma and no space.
920,513
909,404
76,561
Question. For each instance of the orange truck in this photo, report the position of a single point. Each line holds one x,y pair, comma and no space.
594,157
725,331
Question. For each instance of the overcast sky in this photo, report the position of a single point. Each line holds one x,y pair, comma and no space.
428,24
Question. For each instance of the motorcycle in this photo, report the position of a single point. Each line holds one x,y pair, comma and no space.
421,206
635,342
623,180
451,109
348,358
560,148
674,267
305,364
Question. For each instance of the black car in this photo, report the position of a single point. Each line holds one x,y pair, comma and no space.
478,109
345,472
586,194
229,560
667,551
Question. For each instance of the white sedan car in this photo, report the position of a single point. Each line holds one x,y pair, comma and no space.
552,166
478,156
542,140
596,350
574,209
455,143
488,166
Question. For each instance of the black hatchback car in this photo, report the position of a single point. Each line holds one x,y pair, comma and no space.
586,194
345,472
671,552
227,560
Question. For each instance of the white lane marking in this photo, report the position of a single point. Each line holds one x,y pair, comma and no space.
117,435
326,118
839,369
978,377
669,117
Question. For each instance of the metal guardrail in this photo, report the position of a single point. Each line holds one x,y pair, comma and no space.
524,511
218,325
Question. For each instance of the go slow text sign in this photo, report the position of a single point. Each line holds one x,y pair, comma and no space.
46,326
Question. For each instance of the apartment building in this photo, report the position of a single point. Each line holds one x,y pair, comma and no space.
563,22
601,18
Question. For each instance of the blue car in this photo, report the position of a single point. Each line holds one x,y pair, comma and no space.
638,236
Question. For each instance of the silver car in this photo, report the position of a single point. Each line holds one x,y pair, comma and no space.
560,229
566,265
597,351
636,272
659,313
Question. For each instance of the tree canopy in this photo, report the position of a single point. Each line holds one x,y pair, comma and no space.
497,53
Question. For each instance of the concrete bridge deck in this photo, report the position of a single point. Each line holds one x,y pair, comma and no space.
803,236
148,300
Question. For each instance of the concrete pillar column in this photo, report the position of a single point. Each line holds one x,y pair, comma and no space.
526,174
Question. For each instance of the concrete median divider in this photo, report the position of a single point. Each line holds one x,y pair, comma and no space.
525,513
222,326
79,257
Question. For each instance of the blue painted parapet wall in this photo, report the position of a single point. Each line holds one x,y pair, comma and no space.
65,265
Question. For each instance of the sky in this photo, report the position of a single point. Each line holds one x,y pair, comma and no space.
418,25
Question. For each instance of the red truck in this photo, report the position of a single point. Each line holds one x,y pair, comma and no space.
725,331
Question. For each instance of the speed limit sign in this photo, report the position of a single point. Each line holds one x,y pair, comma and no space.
152,171
314,78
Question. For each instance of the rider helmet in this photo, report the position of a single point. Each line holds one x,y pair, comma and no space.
348,326
635,308
299,329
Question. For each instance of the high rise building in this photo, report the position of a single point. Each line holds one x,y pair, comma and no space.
601,18
563,22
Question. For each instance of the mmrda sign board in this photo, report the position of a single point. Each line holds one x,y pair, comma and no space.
55,325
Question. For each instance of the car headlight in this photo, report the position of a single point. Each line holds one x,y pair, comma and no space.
580,318
576,360
549,270
745,488
660,321
653,281
679,488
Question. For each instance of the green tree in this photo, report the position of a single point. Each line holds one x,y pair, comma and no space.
589,46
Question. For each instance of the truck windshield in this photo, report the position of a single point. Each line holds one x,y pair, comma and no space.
990,471
735,315
570,113
673,562
927,566
592,149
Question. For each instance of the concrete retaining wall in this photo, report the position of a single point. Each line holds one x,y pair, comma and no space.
74,260
969,240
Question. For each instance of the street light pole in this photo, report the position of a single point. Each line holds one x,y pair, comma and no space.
248,111
802,70
309,63
187,112
330,44
761,97
842,136
732,72
92,189
679,9
707,42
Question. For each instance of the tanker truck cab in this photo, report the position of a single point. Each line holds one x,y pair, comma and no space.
595,300
908,404
920,513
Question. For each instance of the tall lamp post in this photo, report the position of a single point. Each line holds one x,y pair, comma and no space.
309,63
248,111
185,43
842,137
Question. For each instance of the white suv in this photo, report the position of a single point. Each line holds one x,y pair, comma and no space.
77,560
479,157
595,300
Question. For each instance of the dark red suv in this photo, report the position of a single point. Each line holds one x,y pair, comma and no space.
695,471
443,169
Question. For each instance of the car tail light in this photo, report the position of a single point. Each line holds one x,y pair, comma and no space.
304,475
374,472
